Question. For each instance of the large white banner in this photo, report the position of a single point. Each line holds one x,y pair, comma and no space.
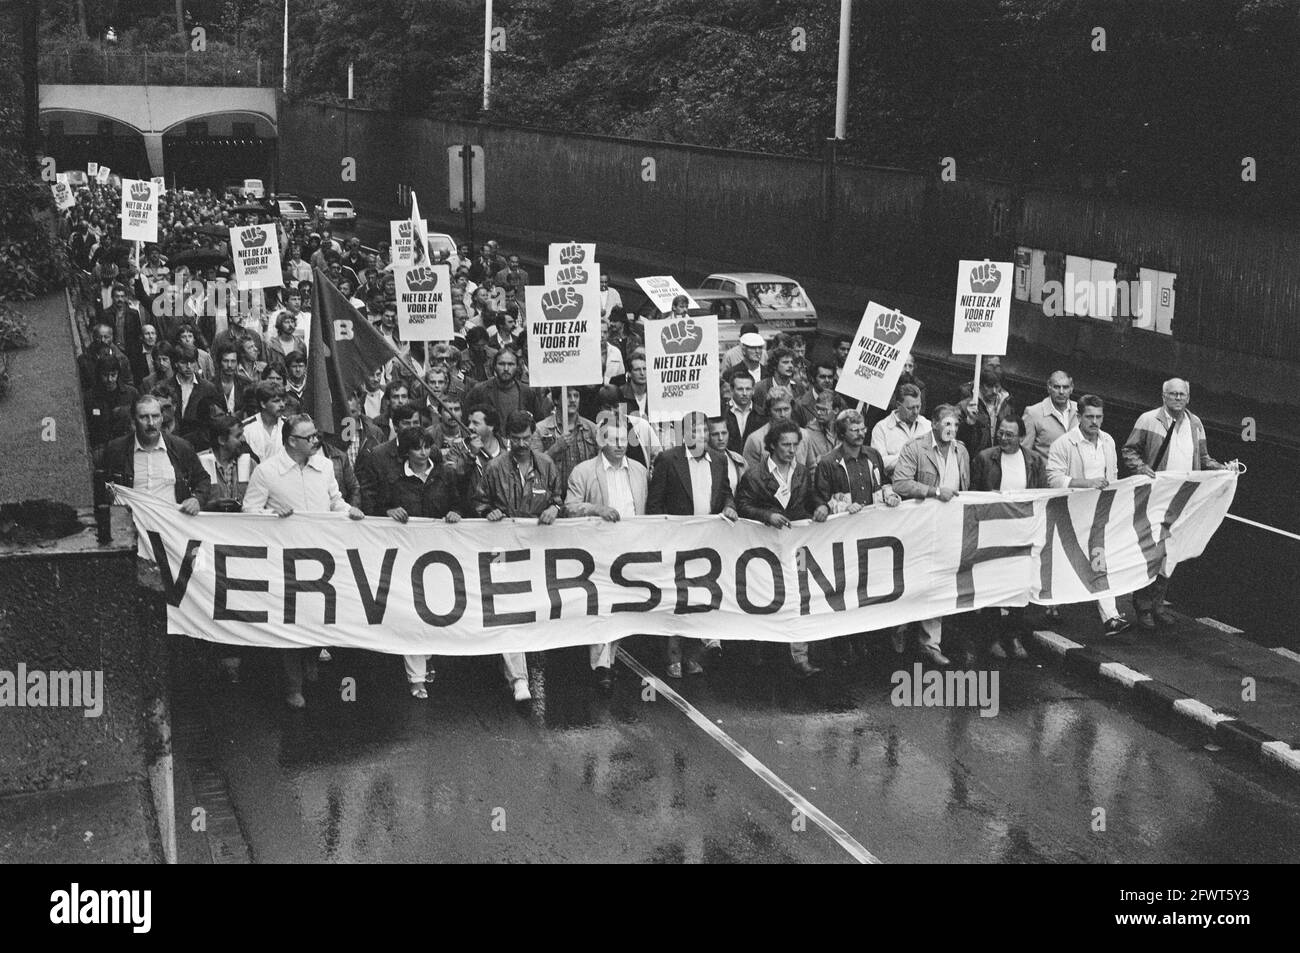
875,362
563,335
476,588
257,256
424,302
682,367
139,210
982,309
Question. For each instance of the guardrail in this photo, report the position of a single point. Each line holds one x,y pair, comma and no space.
112,68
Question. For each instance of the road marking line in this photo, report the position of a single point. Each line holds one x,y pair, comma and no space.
1200,711
1057,643
1123,674
837,833
1221,626
1287,653
1283,752
1271,529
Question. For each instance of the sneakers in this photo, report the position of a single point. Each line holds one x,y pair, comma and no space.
674,669
522,694
1116,625
417,691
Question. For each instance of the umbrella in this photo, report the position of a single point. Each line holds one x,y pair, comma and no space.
216,231
197,257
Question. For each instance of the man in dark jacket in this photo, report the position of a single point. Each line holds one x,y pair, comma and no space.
1008,466
188,393
776,493
157,463
691,480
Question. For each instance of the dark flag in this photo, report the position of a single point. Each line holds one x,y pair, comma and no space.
343,351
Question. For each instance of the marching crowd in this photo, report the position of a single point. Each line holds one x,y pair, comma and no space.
196,398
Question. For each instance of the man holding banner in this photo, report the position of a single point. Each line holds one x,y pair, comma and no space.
612,487
934,466
301,479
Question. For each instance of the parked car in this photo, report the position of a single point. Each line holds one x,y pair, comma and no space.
781,302
731,309
438,242
292,209
332,212
251,189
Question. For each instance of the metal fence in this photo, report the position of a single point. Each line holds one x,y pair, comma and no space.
107,67
1238,283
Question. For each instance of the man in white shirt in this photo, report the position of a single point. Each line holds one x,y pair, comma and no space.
903,425
609,297
262,431
612,487
300,479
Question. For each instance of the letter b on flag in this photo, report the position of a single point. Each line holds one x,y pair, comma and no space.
343,329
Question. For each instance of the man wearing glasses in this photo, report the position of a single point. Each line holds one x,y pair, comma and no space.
299,480
1170,437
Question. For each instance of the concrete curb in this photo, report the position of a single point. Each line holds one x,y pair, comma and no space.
1227,730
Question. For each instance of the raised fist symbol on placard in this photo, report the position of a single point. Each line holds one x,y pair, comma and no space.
889,328
140,191
682,336
572,255
985,278
403,229
573,275
252,236
562,304
421,279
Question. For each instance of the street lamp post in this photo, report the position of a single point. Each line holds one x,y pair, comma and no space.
284,52
487,55
831,156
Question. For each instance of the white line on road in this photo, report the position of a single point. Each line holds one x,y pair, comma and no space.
837,833
1221,626
1271,529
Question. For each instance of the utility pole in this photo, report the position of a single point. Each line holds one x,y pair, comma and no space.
487,55
284,52
831,155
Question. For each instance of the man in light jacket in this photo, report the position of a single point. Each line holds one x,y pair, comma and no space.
1052,417
1085,458
936,466
611,486
1170,437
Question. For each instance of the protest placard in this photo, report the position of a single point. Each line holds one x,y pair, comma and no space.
563,335
682,367
139,211
982,310
875,361
571,253
63,197
586,275
401,238
662,289
257,256
423,302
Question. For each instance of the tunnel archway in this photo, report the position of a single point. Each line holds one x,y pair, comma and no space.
76,137
214,149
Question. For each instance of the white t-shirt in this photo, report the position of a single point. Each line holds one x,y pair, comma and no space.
701,471
1013,472
1181,454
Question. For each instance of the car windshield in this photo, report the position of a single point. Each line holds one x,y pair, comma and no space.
442,244
778,296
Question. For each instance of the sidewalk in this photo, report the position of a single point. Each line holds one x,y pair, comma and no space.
1197,670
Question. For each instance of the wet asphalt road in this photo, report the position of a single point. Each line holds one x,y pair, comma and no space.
577,777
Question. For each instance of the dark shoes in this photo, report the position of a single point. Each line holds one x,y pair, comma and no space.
805,669
1119,624
604,678
1146,621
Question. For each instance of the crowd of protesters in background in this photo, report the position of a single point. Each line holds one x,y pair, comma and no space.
197,397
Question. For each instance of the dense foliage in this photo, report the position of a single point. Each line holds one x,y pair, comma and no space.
1010,88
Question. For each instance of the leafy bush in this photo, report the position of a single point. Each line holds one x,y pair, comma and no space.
15,332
